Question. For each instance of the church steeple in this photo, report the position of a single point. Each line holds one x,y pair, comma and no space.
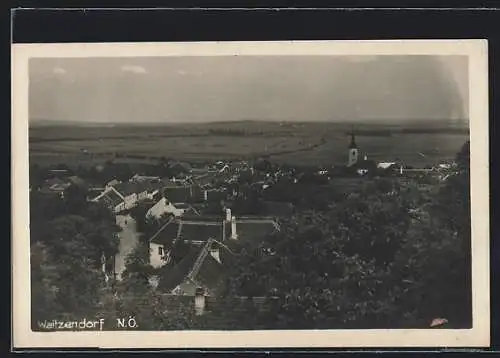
353,152
353,144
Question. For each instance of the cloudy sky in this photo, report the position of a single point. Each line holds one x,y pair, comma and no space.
294,88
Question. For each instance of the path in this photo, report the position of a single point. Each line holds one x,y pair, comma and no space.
128,241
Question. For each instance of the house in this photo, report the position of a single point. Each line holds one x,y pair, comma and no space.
55,186
197,230
124,196
137,178
385,165
111,198
364,166
112,183
193,230
163,207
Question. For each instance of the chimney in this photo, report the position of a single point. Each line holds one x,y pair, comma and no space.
199,301
234,234
228,215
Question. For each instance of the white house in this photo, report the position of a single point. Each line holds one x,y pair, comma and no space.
163,207
112,199
142,178
124,196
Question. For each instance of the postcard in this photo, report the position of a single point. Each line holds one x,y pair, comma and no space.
292,194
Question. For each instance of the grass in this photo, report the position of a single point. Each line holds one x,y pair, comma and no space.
286,143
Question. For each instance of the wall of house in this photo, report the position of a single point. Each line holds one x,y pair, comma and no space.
142,196
155,259
120,207
163,207
130,201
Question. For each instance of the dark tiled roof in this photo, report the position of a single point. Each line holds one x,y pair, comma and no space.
201,231
210,274
178,194
166,234
197,266
111,198
171,277
191,228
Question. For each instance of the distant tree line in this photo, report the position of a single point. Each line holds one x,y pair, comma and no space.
234,132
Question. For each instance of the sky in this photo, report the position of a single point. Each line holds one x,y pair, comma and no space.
229,88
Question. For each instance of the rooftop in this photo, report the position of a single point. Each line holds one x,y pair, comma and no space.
198,266
111,198
191,228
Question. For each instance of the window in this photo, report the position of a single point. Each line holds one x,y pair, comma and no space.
160,250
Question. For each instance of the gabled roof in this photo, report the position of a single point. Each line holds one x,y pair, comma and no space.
166,234
111,198
177,194
171,277
191,228
198,266
201,230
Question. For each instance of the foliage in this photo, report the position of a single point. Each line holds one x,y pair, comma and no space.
381,258
68,240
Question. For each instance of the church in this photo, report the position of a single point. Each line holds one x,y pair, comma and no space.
361,167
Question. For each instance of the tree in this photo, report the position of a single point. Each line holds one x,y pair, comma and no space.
329,269
68,244
437,255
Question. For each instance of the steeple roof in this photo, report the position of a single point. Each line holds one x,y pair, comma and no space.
353,142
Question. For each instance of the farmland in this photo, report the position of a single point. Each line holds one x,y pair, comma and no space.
295,143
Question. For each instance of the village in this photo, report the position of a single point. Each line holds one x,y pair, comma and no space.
197,220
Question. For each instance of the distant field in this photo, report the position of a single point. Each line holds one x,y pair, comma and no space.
317,143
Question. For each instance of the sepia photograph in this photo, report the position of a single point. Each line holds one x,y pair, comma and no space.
286,194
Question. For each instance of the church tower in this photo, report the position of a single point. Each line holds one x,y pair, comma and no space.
353,152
